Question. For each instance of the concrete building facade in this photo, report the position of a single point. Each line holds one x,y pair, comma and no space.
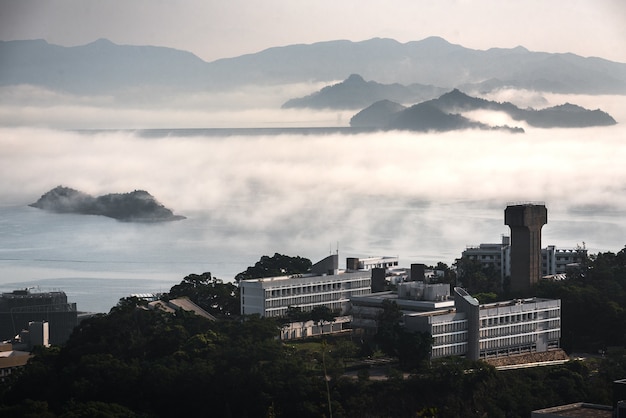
490,330
554,261
324,286
21,307
497,256
525,221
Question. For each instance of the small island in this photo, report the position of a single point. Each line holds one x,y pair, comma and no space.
136,206
446,114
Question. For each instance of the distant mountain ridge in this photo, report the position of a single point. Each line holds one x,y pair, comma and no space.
445,113
104,67
136,206
356,93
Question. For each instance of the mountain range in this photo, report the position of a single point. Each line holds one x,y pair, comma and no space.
445,113
103,67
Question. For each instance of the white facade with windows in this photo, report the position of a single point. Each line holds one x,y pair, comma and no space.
491,330
557,261
497,256
553,260
517,326
271,297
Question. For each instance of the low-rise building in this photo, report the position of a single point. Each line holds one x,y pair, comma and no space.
555,261
490,330
325,285
410,297
21,307
10,359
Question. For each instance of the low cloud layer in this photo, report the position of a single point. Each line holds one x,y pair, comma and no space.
392,193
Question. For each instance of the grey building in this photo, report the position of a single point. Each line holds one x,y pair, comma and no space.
21,307
325,286
490,330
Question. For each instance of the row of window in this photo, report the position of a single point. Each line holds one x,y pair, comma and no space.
507,319
517,340
554,312
315,298
457,337
512,341
299,289
281,311
507,330
448,327
451,350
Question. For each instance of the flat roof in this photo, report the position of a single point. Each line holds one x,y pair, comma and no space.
376,299
579,409
514,302
295,277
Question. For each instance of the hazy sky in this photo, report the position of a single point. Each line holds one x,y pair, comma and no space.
216,29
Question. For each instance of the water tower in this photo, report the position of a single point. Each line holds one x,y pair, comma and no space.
525,221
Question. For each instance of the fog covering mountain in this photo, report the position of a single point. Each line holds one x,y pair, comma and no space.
136,206
356,93
104,67
379,115
445,113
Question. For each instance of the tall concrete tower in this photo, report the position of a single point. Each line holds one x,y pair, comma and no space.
525,221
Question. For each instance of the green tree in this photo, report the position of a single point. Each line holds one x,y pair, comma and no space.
321,315
411,348
277,265
477,278
211,294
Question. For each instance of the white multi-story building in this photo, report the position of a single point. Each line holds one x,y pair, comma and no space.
325,286
554,260
557,261
490,330
497,256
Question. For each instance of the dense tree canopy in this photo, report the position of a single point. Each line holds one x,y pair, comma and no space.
593,303
476,278
211,294
136,362
277,265
411,348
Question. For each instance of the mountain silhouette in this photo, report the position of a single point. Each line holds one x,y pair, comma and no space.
356,93
445,113
103,67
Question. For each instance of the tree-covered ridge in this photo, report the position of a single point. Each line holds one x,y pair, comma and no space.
140,363
276,265
136,206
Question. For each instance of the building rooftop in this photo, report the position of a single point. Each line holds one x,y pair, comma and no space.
410,305
513,302
579,409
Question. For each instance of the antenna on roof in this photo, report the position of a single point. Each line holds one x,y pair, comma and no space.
337,248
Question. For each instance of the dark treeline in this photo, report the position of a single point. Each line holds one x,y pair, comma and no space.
135,362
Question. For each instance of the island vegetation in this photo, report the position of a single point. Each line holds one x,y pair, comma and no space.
135,362
136,206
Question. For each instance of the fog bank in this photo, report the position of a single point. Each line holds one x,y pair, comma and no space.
360,188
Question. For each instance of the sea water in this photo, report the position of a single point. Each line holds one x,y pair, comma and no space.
247,193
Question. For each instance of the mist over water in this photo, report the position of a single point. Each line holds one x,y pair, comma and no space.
422,197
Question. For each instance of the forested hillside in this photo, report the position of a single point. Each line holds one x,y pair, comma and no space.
135,362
